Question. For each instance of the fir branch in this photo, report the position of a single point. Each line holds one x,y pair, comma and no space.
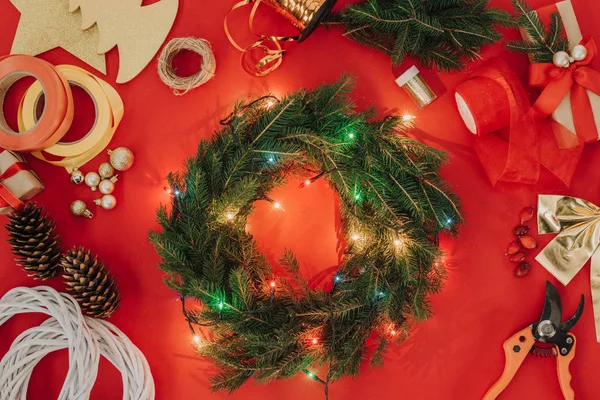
542,43
437,33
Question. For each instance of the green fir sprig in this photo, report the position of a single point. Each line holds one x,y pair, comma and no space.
440,34
393,206
542,43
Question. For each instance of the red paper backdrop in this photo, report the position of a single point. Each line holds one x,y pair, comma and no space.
455,355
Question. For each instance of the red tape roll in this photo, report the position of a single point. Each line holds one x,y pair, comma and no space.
57,116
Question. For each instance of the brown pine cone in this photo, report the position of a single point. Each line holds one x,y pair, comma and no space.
34,242
90,283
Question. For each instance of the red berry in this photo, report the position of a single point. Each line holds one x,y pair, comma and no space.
521,230
526,214
516,258
528,242
522,269
513,248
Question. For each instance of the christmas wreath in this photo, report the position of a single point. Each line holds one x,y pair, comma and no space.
393,206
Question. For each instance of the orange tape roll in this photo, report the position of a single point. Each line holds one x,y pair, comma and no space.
109,112
57,115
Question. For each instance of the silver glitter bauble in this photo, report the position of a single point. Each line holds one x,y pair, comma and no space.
579,52
77,177
92,179
561,59
108,202
79,209
106,186
121,158
105,170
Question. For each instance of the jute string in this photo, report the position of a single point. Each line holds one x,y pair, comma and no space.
183,84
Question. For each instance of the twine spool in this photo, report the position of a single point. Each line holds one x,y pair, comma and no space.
183,84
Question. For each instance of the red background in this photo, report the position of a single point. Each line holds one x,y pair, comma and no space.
457,354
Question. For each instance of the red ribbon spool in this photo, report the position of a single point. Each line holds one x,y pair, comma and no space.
494,99
483,105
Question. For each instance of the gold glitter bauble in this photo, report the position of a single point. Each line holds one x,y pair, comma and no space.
105,170
121,158
79,209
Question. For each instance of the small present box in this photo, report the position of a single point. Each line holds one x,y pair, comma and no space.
18,183
563,114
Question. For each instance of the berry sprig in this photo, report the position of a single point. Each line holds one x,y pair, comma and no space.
517,249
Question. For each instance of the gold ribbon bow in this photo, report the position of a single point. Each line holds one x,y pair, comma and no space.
577,223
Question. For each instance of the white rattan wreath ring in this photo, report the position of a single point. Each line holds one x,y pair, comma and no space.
85,338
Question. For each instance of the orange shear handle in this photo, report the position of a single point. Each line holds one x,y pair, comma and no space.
562,370
516,349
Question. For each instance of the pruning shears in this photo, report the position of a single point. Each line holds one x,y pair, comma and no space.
549,337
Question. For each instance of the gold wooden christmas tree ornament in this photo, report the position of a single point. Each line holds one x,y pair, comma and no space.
48,24
137,32
90,283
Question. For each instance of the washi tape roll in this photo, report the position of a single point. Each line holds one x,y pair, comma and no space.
57,116
109,112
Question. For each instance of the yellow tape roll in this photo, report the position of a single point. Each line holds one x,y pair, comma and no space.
109,112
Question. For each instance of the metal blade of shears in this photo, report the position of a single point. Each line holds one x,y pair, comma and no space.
552,306
568,325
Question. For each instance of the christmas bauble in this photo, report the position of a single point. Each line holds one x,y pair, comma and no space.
108,202
105,170
77,177
561,59
106,186
121,158
79,209
579,52
92,179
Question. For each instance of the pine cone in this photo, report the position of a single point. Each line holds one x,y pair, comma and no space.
90,283
34,242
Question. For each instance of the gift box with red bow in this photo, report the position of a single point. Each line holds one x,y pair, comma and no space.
571,88
18,183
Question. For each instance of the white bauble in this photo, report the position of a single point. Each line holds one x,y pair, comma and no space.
561,59
579,52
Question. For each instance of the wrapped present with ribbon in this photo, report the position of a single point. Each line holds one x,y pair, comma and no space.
511,145
571,93
577,223
18,183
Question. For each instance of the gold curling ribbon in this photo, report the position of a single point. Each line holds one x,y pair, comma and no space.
109,112
577,223
305,15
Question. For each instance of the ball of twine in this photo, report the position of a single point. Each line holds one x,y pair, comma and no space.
183,84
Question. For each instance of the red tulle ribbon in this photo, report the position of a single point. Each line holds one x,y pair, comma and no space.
530,145
557,83
7,198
